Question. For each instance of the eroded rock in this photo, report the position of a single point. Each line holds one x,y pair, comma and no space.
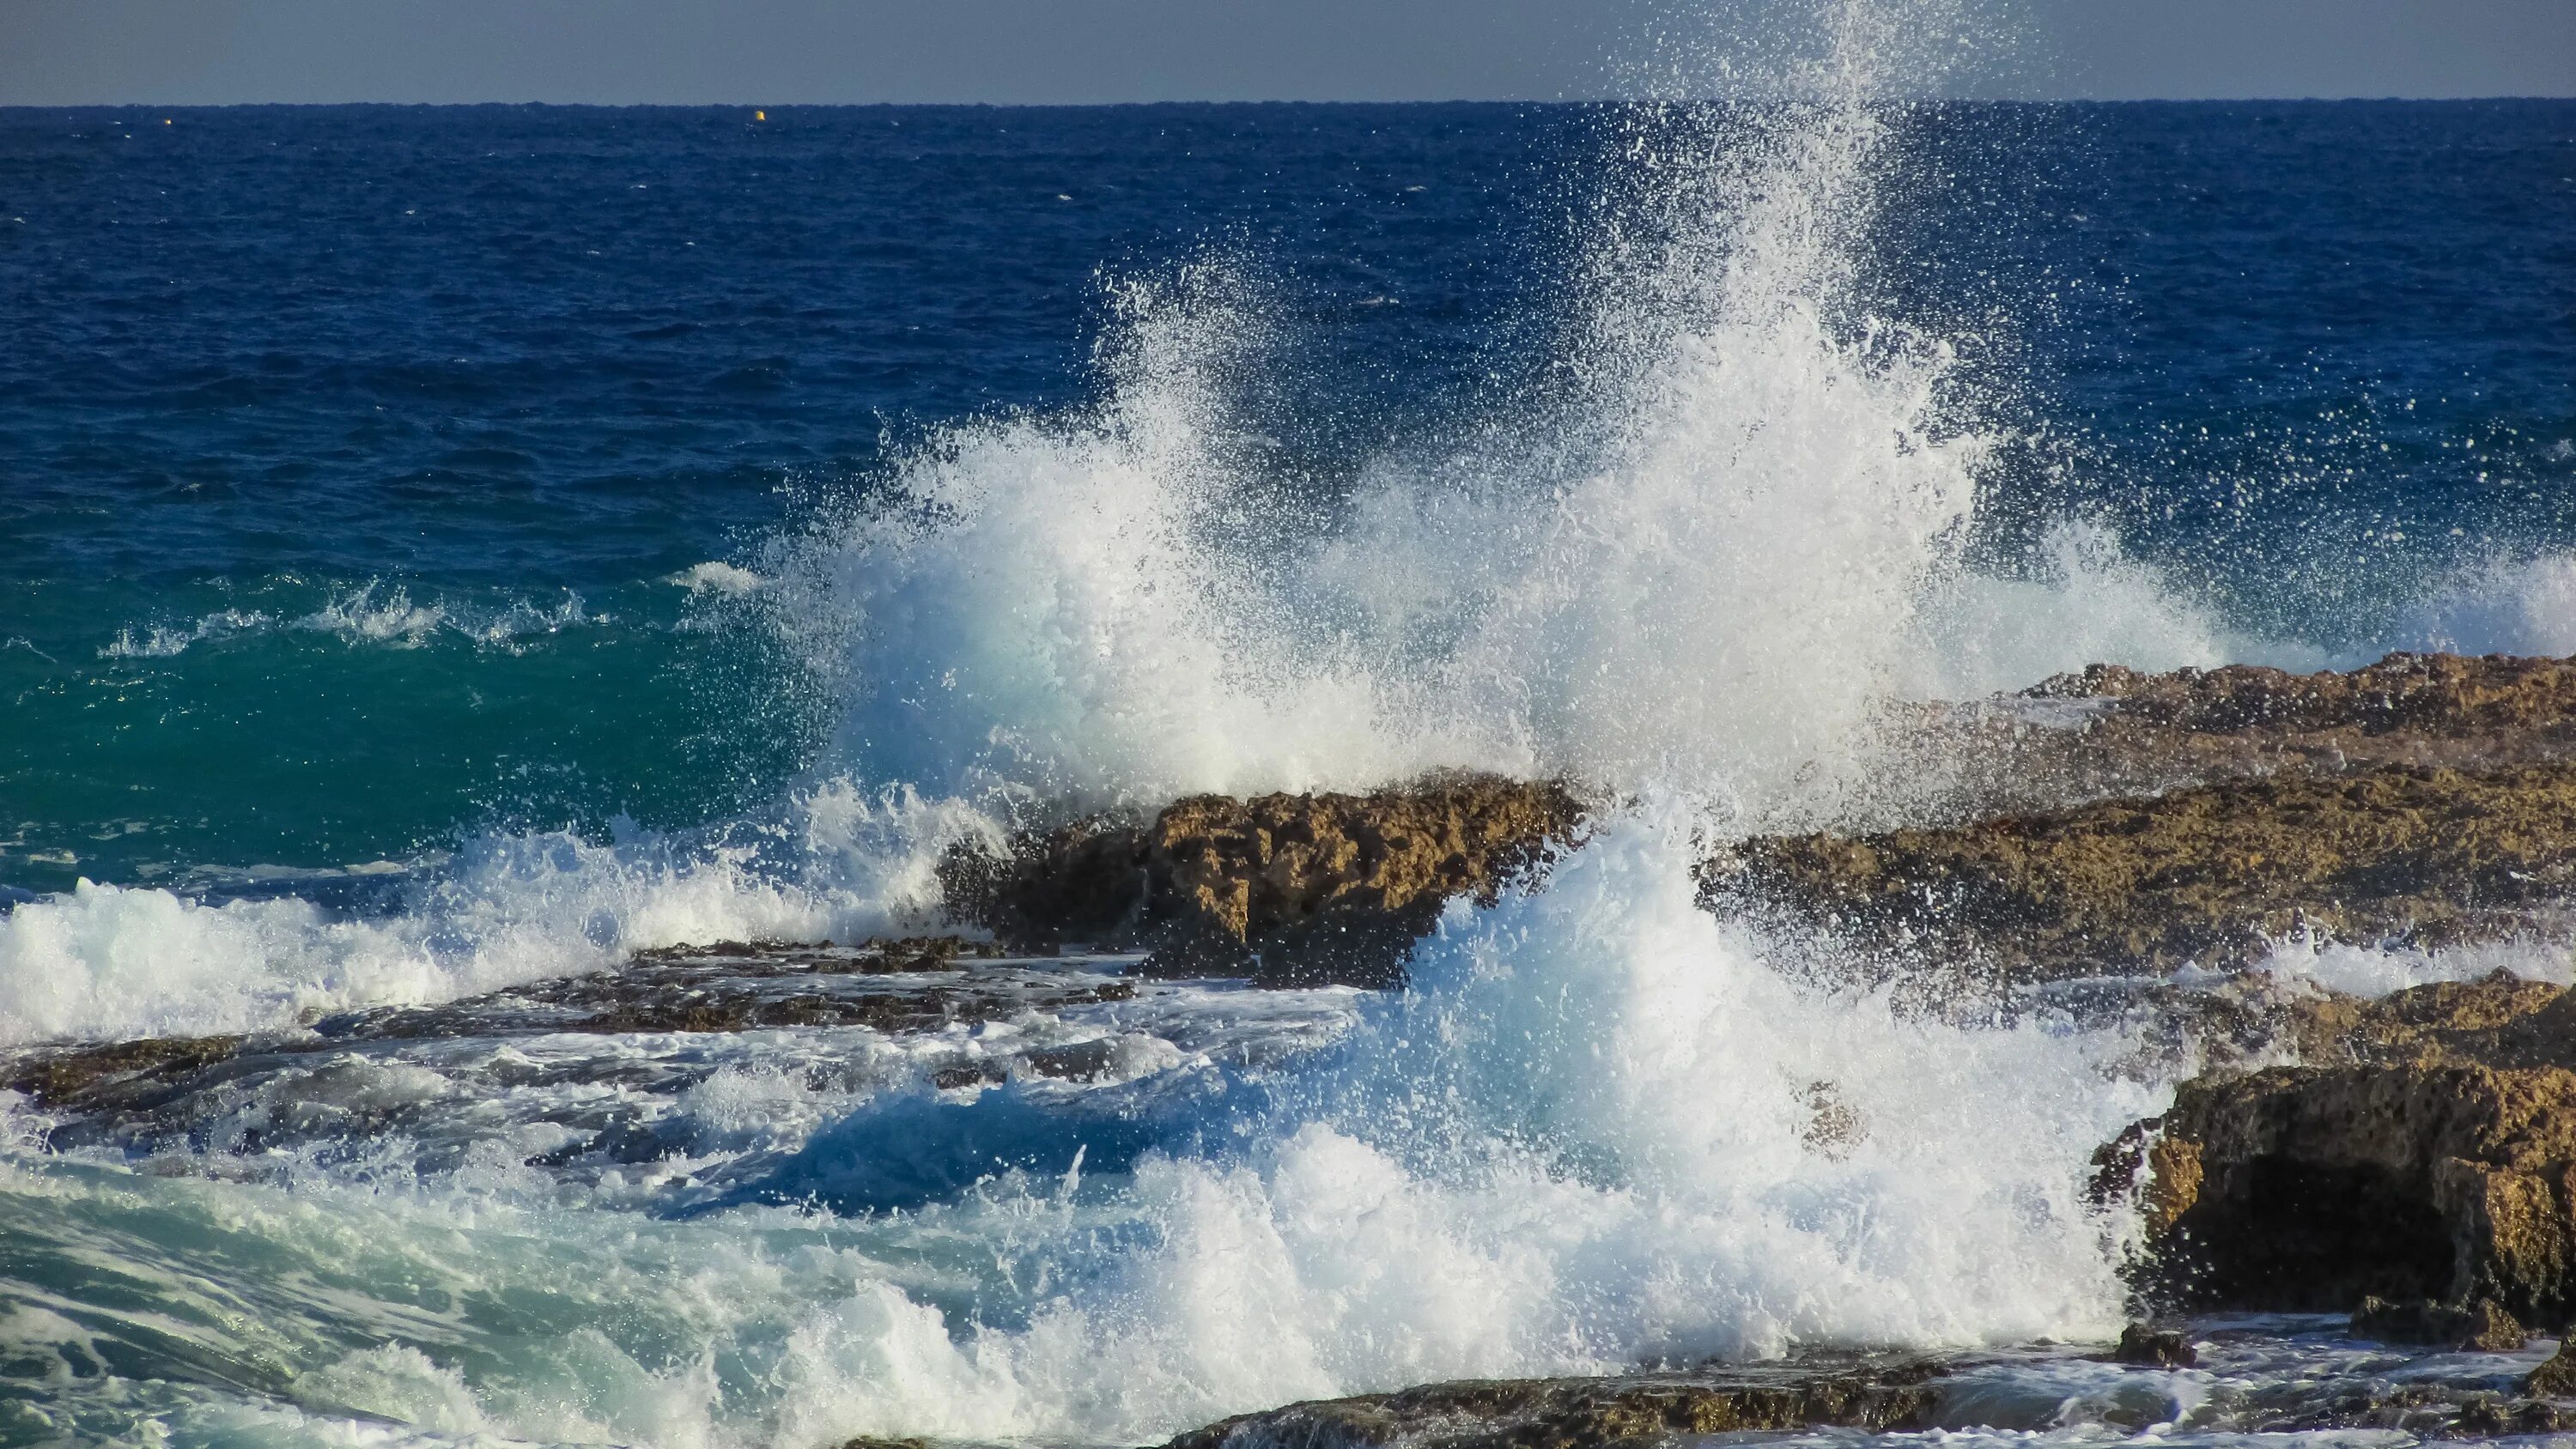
2110,731
1576,1413
1288,889
2428,1152
2213,875
2483,1325
2556,1378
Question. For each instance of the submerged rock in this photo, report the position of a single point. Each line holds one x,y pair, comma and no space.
895,986
2428,1152
1569,1413
1287,889
2482,1325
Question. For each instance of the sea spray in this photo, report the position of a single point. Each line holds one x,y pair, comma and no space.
107,962
1600,1131
1700,566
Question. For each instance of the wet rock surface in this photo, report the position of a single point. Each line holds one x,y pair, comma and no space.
1285,889
2482,1325
612,1073
1567,1413
911,985
2155,1347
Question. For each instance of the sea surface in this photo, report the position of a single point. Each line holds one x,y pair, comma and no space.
449,548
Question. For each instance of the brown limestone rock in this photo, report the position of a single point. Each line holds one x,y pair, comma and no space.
1288,889
1578,1413
2211,875
2428,1152
2112,731
68,1076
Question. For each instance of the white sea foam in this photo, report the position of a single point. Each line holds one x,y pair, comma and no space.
160,641
718,577
374,614
368,614
102,961
2380,970
1601,1130
1710,593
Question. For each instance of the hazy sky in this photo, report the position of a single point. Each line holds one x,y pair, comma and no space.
66,52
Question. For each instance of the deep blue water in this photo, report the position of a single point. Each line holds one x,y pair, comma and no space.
284,383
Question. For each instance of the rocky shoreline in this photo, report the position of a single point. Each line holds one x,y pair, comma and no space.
2410,1159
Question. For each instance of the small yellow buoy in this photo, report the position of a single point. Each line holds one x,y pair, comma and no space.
165,120
760,115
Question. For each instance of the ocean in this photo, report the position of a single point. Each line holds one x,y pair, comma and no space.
444,549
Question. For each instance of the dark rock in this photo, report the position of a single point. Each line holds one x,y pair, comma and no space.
1578,1413
2555,1379
2491,1415
62,1076
2482,1325
2155,1347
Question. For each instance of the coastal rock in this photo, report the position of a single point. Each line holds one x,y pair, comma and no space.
1288,889
54,1077
2483,1325
2212,875
2155,1347
2555,1379
1578,1413
2110,731
2428,1152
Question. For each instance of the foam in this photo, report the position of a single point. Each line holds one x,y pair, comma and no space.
2382,970
719,578
1703,570
1589,1137
163,642
104,961
369,614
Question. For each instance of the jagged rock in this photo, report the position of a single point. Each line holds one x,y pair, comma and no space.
2555,1379
2111,731
2155,1347
1577,1413
1288,889
2491,1415
56,1077
2482,1325
2212,875
2431,1154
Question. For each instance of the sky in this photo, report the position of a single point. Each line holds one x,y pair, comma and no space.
785,52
